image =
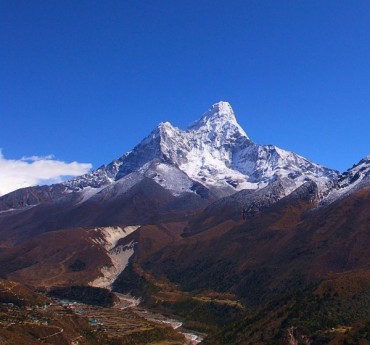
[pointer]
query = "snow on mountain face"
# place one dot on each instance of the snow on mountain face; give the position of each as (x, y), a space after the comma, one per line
(349, 181)
(273, 162)
(219, 119)
(213, 151)
(216, 152)
(356, 174)
(98, 178)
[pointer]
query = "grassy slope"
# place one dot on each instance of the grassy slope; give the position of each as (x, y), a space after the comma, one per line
(290, 267)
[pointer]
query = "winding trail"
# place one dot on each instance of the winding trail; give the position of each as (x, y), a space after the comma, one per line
(60, 330)
(61, 270)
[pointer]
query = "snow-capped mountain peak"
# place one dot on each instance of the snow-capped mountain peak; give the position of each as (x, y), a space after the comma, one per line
(219, 112)
(219, 118)
(213, 152)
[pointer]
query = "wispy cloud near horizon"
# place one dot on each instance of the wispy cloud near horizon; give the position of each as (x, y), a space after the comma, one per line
(36, 170)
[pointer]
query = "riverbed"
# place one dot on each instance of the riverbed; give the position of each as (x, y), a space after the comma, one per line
(127, 301)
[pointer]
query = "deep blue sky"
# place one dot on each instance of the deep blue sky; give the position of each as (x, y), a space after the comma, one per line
(87, 80)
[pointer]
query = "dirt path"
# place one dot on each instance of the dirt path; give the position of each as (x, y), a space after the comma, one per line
(60, 330)
(61, 270)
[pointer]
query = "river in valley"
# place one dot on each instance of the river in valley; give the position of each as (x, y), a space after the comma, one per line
(127, 301)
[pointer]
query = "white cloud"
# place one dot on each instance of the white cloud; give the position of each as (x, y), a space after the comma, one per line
(37, 158)
(36, 170)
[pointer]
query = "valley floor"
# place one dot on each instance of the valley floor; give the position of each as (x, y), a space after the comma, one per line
(28, 318)
(127, 319)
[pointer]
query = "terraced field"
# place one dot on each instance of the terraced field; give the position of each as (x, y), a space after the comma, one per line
(29, 318)
(126, 326)
(126, 323)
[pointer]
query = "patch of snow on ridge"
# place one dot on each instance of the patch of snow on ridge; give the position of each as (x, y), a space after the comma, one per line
(87, 193)
(350, 180)
(171, 178)
(119, 255)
